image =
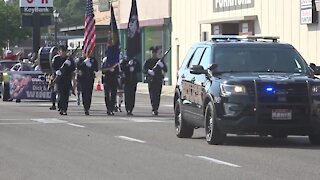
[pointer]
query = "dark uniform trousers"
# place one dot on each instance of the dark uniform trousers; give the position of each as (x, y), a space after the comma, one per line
(155, 88)
(53, 95)
(110, 91)
(64, 88)
(86, 90)
(130, 89)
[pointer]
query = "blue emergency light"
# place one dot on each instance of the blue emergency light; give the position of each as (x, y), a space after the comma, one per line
(269, 89)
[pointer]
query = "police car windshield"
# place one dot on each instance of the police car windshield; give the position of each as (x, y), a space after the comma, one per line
(259, 59)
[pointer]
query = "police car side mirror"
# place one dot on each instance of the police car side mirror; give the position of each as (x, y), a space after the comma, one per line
(198, 69)
(213, 67)
(316, 69)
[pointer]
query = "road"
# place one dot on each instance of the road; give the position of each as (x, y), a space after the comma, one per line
(38, 144)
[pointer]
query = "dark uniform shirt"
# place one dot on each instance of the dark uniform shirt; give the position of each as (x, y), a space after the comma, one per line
(110, 75)
(151, 64)
(129, 75)
(67, 71)
(85, 72)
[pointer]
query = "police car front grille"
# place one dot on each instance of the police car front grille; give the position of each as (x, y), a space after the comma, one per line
(296, 93)
(292, 96)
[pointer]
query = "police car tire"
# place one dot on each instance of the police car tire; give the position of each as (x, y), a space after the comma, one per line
(314, 139)
(182, 128)
(213, 134)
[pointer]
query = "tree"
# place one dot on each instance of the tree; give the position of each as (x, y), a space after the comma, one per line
(11, 19)
(71, 12)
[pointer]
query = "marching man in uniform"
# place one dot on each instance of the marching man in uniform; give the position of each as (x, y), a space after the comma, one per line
(154, 68)
(65, 67)
(130, 68)
(86, 74)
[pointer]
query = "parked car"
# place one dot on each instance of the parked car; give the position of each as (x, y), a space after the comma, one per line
(5, 65)
(246, 85)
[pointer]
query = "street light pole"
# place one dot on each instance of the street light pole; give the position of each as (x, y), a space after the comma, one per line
(7, 25)
(56, 16)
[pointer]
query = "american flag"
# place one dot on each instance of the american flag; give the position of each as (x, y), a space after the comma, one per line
(89, 30)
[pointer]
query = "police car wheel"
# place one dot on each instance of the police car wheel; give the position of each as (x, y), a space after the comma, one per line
(213, 135)
(183, 129)
(314, 139)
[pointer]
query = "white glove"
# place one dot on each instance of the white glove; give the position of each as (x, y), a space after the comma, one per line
(68, 62)
(88, 62)
(112, 69)
(104, 59)
(151, 72)
(58, 73)
(131, 68)
(160, 63)
(130, 62)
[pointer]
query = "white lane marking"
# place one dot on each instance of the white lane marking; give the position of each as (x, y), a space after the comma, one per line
(141, 120)
(48, 105)
(214, 160)
(14, 119)
(130, 139)
(76, 125)
(48, 120)
(22, 123)
(168, 105)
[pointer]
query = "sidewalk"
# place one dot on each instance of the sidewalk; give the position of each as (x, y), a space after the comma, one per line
(166, 90)
(142, 88)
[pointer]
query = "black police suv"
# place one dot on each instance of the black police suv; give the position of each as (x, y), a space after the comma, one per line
(247, 85)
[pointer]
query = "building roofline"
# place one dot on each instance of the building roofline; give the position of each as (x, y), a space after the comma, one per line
(148, 22)
(229, 19)
(77, 28)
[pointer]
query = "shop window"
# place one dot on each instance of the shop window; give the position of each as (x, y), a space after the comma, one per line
(155, 37)
(215, 28)
(246, 28)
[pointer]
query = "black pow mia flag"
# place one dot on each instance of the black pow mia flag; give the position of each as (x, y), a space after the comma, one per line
(133, 38)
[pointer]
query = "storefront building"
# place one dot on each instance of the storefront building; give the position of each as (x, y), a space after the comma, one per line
(154, 21)
(294, 21)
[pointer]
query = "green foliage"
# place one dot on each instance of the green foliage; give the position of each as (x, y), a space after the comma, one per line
(11, 21)
(71, 12)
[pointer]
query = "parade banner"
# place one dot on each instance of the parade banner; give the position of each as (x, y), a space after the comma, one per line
(29, 85)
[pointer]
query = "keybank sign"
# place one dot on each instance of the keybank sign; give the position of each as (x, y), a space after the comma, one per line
(227, 5)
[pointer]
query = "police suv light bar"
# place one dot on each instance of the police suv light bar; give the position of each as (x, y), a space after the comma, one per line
(273, 38)
(227, 37)
(239, 38)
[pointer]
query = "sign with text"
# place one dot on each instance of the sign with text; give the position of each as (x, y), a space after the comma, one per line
(29, 85)
(36, 3)
(308, 13)
(36, 6)
(228, 5)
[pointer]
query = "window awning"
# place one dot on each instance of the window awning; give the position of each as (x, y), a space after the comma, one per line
(229, 19)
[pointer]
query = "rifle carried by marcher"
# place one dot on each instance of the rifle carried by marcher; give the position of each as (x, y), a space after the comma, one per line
(157, 66)
(64, 67)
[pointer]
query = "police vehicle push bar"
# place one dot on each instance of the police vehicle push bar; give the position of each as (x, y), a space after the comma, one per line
(240, 38)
